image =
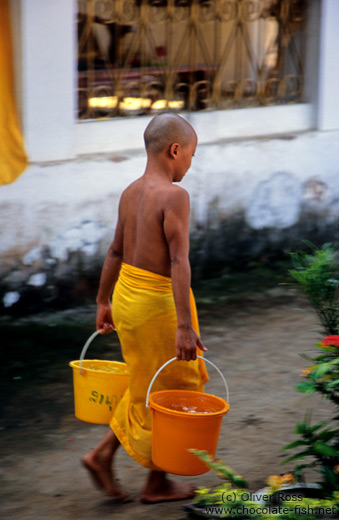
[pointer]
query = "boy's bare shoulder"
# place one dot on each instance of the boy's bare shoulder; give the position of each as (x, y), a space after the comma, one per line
(131, 187)
(166, 192)
(177, 198)
(177, 192)
(130, 193)
(175, 188)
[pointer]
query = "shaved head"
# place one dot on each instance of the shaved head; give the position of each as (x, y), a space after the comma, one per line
(165, 129)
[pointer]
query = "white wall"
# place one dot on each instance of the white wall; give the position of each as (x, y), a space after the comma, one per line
(49, 201)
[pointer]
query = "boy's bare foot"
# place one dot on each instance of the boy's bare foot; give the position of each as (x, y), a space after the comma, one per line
(102, 476)
(160, 489)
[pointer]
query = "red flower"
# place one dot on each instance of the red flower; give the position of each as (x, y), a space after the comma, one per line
(330, 341)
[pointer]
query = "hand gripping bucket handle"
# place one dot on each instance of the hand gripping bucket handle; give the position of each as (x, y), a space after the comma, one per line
(174, 359)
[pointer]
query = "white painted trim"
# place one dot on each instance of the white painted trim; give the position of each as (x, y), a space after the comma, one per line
(117, 135)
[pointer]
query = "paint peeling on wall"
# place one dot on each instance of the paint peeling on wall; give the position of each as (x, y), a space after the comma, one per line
(275, 202)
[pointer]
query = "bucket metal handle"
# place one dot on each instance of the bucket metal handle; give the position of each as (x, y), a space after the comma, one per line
(87, 344)
(174, 359)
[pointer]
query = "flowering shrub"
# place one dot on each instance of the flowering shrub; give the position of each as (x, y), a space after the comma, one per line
(323, 375)
(330, 341)
(317, 277)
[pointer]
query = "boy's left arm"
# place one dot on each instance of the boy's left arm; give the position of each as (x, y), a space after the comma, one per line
(176, 222)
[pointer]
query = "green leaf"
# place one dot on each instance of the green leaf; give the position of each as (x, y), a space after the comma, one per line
(312, 246)
(327, 435)
(329, 350)
(305, 387)
(220, 468)
(317, 426)
(304, 356)
(330, 476)
(294, 444)
(322, 357)
(298, 456)
(333, 384)
(301, 428)
(321, 370)
(325, 449)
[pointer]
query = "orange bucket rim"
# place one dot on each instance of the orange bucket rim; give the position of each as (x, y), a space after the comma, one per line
(156, 406)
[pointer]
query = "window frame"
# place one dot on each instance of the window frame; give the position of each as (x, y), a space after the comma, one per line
(213, 126)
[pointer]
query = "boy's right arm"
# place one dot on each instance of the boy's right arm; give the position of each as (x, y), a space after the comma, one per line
(109, 275)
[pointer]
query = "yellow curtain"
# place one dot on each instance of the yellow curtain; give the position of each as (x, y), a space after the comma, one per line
(13, 159)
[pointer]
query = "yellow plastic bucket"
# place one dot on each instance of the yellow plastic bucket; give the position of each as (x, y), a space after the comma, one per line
(182, 420)
(98, 386)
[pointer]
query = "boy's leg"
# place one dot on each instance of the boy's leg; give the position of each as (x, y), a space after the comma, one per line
(99, 463)
(159, 488)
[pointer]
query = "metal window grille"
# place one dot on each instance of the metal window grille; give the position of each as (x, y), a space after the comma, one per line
(147, 56)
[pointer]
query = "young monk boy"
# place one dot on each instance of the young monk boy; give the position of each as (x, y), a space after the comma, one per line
(147, 267)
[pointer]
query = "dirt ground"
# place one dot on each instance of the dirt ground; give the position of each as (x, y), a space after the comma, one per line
(255, 342)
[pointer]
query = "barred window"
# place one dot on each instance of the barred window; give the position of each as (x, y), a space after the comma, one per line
(147, 56)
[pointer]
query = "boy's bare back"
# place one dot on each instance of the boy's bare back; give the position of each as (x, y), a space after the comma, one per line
(152, 229)
(149, 209)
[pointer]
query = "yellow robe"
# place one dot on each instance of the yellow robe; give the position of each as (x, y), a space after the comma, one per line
(13, 159)
(145, 318)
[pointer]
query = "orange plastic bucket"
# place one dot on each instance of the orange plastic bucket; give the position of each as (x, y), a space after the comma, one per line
(182, 420)
(98, 386)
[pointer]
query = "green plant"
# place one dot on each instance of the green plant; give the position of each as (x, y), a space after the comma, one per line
(319, 450)
(233, 500)
(316, 276)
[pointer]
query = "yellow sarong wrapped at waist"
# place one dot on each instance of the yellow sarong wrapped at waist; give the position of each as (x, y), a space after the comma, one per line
(145, 318)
